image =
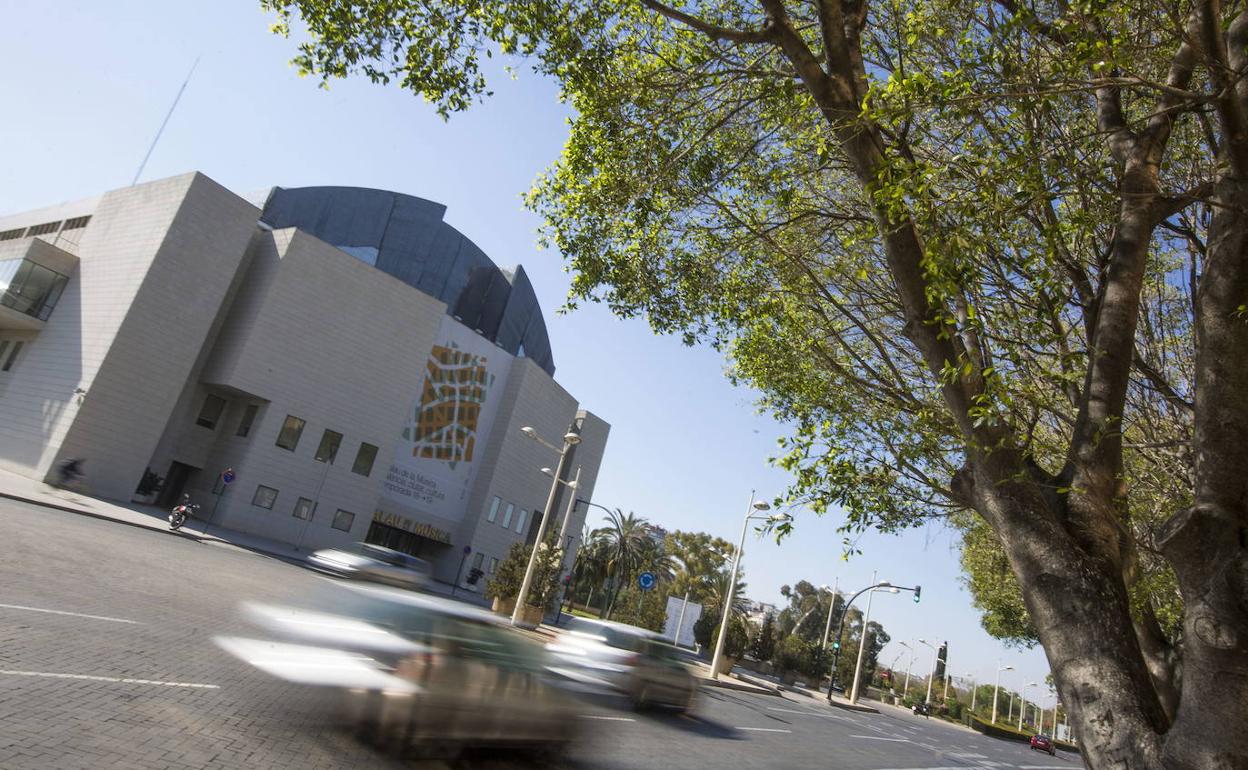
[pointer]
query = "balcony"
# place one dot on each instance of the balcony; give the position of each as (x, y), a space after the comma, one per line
(30, 286)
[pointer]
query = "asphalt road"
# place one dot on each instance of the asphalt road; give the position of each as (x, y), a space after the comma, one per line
(106, 661)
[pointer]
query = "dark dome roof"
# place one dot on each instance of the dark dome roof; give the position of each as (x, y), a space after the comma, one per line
(405, 236)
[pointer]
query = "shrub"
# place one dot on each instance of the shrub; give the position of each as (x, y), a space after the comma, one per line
(738, 640)
(510, 574)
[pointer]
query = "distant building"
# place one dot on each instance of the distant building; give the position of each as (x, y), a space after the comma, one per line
(362, 367)
(757, 612)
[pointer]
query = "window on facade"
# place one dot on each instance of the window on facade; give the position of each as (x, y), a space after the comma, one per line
(9, 235)
(292, 429)
(364, 459)
(493, 565)
(493, 514)
(507, 516)
(478, 559)
(343, 520)
(303, 509)
(249, 417)
(328, 448)
(520, 520)
(43, 229)
(264, 497)
(12, 357)
(210, 412)
(76, 222)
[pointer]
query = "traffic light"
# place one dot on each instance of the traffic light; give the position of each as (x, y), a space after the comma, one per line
(836, 645)
(918, 590)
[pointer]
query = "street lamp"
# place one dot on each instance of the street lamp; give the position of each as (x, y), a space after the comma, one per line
(756, 508)
(971, 676)
(935, 657)
(905, 690)
(840, 626)
(570, 439)
(836, 584)
(1023, 697)
(883, 585)
(997, 687)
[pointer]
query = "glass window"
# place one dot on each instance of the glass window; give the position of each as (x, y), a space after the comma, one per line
(292, 429)
(328, 448)
(304, 509)
(12, 359)
(210, 412)
(343, 520)
(249, 417)
(364, 459)
(493, 514)
(264, 497)
(520, 520)
(493, 565)
(478, 559)
(507, 515)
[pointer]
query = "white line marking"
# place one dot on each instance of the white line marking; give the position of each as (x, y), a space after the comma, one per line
(606, 719)
(63, 612)
(118, 680)
(1043, 767)
(763, 729)
(809, 713)
(881, 738)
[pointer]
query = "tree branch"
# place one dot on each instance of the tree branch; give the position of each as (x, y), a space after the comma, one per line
(713, 31)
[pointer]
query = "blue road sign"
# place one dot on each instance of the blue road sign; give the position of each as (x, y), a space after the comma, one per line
(645, 581)
(228, 476)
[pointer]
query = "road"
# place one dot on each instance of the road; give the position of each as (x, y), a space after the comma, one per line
(106, 661)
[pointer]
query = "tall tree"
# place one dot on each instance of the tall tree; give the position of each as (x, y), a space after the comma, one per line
(976, 253)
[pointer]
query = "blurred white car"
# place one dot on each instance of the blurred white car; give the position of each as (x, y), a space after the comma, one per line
(625, 659)
(375, 564)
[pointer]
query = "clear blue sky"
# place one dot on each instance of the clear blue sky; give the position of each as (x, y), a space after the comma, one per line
(86, 84)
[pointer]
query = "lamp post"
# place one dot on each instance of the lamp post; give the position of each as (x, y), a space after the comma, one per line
(570, 439)
(862, 641)
(756, 507)
(997, 687)
(1023, 698)
(840, 626)
(971, 677)
(931, 676)
(905, 690)
(827, 627)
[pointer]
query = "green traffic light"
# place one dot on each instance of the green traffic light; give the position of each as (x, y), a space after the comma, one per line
(918, 590)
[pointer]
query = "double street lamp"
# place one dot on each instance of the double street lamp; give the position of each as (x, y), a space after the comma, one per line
(862, 643)
(570, 439)
(996, 687)
(935, 660)
(1023, 697)
(752, 513)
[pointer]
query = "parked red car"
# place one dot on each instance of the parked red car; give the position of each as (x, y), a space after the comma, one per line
(1044, 743)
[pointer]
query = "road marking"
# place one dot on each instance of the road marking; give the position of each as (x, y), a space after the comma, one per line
(809, 713)
(117, 680)
(606, 718)
(882, 738)
(1043, 767)
(763, 729)
(63, 612)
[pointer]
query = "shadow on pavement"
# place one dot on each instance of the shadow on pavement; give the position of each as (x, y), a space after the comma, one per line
(692, 723)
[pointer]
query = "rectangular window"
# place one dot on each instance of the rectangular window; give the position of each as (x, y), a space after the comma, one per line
(507, 515)
(12, 359)
(493, 565)
(292, 429)
(328, 448)
(478, 559)
(264, 497)
(210, 412)
(493, 514)
(76, 222)
(43, 229)
(303, 509)
(343, 520)
(520, 520)
(364, 459)
(9, 235)
(244, 425)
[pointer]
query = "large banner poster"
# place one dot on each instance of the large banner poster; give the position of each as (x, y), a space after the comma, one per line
(443, 438)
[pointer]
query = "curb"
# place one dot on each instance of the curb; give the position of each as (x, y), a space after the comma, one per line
(740, 687)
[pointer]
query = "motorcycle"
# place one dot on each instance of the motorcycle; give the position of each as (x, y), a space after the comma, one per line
(179, 515)
(921, 709)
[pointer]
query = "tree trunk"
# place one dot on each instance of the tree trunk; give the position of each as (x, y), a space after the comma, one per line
(1079, 605)
(1208, 544)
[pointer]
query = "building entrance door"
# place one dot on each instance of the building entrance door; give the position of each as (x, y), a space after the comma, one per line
(176, 479)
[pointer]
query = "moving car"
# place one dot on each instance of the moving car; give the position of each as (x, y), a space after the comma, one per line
(1044, 743)
(413, 671)
(625, 659)
(374, 563)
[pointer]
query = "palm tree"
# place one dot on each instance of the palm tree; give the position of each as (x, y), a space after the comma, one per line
(624, 539)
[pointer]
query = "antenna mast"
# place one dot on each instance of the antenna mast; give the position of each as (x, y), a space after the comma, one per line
(164, 123)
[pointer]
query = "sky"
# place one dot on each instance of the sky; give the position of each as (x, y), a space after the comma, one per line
(87, 84)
